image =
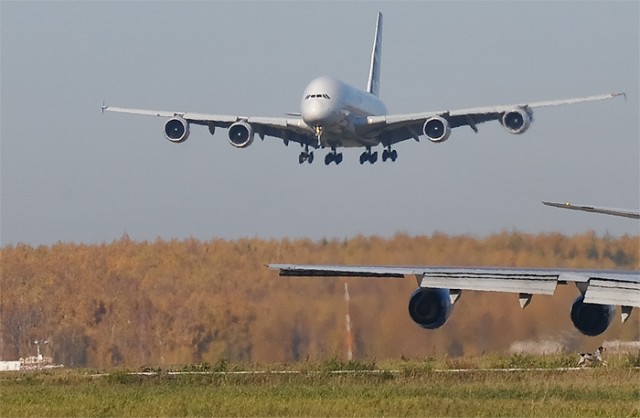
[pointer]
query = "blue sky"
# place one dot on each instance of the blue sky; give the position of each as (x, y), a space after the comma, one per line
(71, 174)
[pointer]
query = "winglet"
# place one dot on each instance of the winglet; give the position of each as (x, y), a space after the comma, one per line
(373, 85)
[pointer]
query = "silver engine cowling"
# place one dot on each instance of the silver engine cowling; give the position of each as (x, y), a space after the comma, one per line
(517, 121)
(436, 129)
(241, 134)
(430, 308)
(176, 130)
(589, 318)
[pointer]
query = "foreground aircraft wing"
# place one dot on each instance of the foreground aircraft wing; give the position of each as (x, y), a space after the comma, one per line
(288, 129)
(437, 126)
(600, 286)
(440, 287)
(607, 211)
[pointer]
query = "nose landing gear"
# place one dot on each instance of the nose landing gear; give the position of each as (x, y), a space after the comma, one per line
(318, 130)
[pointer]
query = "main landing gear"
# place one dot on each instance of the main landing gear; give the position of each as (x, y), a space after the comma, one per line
(333, 157)
(389, 154)
(372, 157)
(306, 155)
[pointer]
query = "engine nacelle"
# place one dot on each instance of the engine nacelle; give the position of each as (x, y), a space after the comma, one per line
(430, 308)
(589, 318)
(241, 134)
(176, 130)
(517, 121)
(436, 129)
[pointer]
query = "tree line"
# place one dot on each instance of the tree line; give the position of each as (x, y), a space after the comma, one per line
(172, 302)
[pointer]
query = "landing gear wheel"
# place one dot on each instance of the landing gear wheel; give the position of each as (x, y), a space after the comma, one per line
(305, 157)
(328, 159)
(389, 154)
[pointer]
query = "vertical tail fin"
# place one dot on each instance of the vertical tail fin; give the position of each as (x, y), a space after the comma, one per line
(373, 85)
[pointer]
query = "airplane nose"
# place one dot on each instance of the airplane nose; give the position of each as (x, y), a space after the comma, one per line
(317, 113)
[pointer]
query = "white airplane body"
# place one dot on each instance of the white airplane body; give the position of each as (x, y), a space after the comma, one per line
(334, 114)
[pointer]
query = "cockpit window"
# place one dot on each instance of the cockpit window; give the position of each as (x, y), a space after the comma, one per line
(317, 96)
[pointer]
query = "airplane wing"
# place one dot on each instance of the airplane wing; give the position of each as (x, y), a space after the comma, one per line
(607, 211)
(515, 118)
(600, 286)
(288, 129)
(431, 303)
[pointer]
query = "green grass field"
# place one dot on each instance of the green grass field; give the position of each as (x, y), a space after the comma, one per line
(428, 388)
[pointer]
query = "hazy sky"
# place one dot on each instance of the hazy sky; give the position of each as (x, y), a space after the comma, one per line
(71, 174)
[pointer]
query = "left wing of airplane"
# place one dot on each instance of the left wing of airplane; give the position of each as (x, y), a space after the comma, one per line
(440, 287)
(436, 126)
(607, 211)
(241, 128)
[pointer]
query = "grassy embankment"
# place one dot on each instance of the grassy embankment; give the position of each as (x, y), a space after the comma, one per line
(398, 389)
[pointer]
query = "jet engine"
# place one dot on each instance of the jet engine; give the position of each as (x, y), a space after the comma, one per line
(437, 129)
(241, 134)
(589, 318)
(430, 308)
(176, 130)
(517, 121)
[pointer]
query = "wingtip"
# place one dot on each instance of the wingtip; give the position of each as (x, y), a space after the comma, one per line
(557, 205)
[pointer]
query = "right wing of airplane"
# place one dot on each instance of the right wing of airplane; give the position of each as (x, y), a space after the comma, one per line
(607, 211)
(436, 126)
(440, 287)
(241, 128)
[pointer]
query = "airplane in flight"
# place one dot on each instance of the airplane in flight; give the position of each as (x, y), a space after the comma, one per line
(626, 213)
(439, 288)
(336, 115)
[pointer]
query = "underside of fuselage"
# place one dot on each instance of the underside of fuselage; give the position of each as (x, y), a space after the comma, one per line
(344, 136)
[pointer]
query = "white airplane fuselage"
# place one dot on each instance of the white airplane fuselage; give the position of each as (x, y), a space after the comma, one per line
(340, 111)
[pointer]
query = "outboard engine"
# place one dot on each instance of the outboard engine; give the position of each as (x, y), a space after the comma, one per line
(589, 318)
(437, 129)
(517, 121)
(430, 308)
(176, 130)
(241, 134)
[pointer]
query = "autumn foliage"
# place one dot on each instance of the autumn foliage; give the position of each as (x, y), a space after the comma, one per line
(174, 302)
